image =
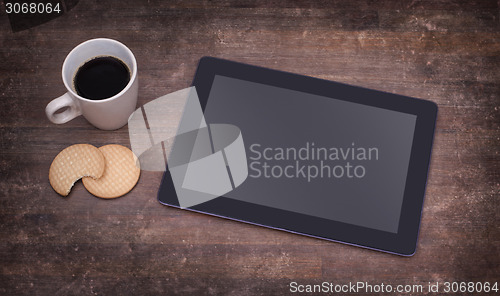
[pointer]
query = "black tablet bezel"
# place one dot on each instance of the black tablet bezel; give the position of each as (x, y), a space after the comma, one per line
(404, 241)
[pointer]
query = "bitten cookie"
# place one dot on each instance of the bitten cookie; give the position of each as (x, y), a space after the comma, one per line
(73, 163)
(120, 176)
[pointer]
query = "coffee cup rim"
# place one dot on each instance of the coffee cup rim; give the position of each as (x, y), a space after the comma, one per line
(124, 90)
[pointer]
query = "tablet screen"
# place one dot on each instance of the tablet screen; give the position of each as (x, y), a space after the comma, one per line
(316, 155)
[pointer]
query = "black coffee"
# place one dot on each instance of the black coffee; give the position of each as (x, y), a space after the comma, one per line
(101, 78)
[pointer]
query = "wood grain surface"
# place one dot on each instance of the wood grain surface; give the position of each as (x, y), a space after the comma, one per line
(444, 51)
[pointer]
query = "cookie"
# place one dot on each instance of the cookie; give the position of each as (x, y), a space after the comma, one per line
(73, 163)
(120, 176)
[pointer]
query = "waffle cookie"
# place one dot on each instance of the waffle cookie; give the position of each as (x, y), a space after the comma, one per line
(120, 176)
(73, 163)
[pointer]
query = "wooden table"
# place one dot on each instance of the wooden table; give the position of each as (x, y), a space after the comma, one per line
(444, 51)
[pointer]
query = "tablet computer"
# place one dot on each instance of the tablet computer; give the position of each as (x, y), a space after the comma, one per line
(324, 159)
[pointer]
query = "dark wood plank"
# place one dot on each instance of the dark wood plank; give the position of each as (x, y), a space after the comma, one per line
(444, 51)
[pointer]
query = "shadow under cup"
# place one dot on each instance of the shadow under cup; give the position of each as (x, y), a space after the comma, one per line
(110, 113)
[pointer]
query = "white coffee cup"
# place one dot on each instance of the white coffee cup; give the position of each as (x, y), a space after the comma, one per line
(107, 114)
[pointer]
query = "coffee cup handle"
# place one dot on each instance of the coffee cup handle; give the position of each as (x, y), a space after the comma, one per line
(65, 101)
